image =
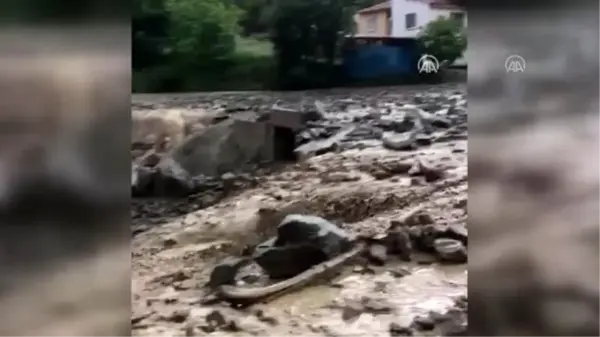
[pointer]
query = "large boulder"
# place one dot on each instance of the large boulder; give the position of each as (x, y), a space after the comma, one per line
(302, 241)
(228, 146)
(224, 147)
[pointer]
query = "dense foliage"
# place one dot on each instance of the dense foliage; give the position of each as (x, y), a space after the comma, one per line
(444, 38)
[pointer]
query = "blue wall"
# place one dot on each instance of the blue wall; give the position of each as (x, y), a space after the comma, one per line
(370, 58)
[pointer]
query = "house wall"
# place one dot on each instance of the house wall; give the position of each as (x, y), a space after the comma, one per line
(425, 14)
(365, 22)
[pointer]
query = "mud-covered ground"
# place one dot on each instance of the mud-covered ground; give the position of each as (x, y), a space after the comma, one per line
(360, 188)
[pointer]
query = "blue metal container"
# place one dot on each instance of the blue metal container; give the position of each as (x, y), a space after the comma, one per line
(373, 57)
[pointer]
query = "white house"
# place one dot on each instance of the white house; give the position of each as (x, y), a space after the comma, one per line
(406, 18)
(410, 16)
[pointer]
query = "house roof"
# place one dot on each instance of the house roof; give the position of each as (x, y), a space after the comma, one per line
(436, 4)
(442, 4)
(375, 8)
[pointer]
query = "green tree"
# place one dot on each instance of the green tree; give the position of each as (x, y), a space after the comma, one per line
(255, 17)
(445, 39)
(307, 36)
(150, 35)
(202, 32)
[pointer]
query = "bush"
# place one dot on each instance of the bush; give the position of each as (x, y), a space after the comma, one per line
(445, 39)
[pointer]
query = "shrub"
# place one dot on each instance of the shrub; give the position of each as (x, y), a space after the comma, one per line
(445, 39)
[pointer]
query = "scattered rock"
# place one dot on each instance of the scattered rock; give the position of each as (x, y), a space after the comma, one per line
(430, 173)
(458, 232)
(377, 254)
(178, 315)
(450, 250)
(424, 323)
(400, 272)
(322, 146)
(215, 320)
(396, 330)
(226, 271)
(399, 142)
(263, 317)
(376, 306)
(398, 242)
(338, 177)
(351, 311)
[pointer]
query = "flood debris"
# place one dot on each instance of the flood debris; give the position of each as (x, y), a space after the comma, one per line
(341, 212)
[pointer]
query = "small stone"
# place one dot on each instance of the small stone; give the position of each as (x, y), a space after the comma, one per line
(351, 311)
(423, 140)
(377, 254)
(450, 250)
(216, 319)
(396, 329)
(263, 317)
(178, 316)
(438, 317)
(424, 323)
(458, 232)
(400, 272)
(226, 271)
(398, 242)
(376, 306)
(169, 242)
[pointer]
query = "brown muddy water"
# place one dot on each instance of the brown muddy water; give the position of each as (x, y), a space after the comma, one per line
(424, 289)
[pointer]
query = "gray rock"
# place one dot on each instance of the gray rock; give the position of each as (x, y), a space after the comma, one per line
(458, 232)
(377, 254)
(224, 147)
(398, 242)
(322, 146)
(396, 142)
(450, 250)
(302, 241)
(225, 272)
(141, 180)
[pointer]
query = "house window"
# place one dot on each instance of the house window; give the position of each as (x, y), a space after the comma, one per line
(371, 24)
(459, 17)
(411, 20)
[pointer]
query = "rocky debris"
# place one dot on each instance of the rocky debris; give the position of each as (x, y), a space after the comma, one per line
(430, 173)
(322, 146)
(405, 142)
(216, 321)
(397, 330)
(407, 238)
(353, 308)
(226, 271)
(302, 241)
(224, 147)
(449, 250)
(398, 242)
(206, 160)
(378, 254)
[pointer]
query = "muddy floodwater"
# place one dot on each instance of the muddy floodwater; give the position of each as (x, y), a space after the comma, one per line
(423, 290)
(359, 186)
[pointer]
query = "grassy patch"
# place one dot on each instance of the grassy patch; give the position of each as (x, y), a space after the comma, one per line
(258, 47)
